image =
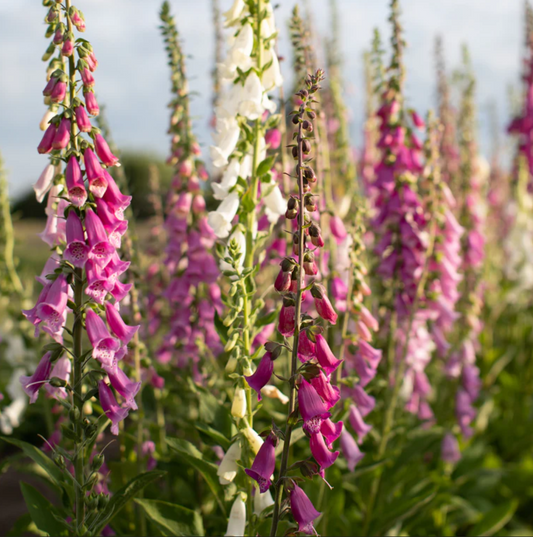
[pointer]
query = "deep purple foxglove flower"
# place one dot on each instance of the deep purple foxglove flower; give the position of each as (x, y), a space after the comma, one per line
(82, 120)
(45, 146)
(110, 406)
(359, 426)
(32, 384)
(323, 456)
(101, 249)
(449, 450)
(76, 252)
(329, 393)
(331, 431)
(104, 345)
(75, 184)
(262, 374)
(62, 136)
(264, 464)
(324, 355)
(90, 102)
(350, 450)
(52, 310)
(118, 326)
(95, 173)
(303, 510)
(103, 151)
(126, 387)
(313, 410)
(322, 304)
(286, 318)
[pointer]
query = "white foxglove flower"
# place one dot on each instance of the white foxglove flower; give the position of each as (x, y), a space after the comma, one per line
(239, 53)
(220, 220)
(229, 180)
(234, 12)
(48, 115)
(44, 183)
(262, 501)
(11, 415)
(228, 467)
(272, 392)
(225, 141)
(272, 76)
(239, 407)
(237, 518)
(253, 438)
(275, 205)
(251, 97)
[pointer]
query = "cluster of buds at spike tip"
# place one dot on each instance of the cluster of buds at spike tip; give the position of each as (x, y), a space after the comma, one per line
(85, 225)
(188, 275)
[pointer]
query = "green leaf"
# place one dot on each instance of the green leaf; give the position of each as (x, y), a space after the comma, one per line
(191, 455)
(217, 436)
(495, 519)
(24, 525)
(42, 511)
(172, 519)
(222, 331)
(269, 318)
(124, 495)
(55, 474)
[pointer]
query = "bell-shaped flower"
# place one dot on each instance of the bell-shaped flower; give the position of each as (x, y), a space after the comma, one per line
(226, 138)
(253, 438)
(322, 304)
(114, 198)
(237, 518)
(323, 456)
(264, 464)
(75, 184)
(303, 510)
(44, 183)
(262, 501)
(272, 392)
(82, 120)
(365, 403)
(251, 98)
(90, 103)
(118, 326)
(115, 227)
(95, 173)
(331, 431)
(104, 345)
(313, 410)
(359, 426)
(275, 205)
(229, 180)
(262, 374)
(234, 12)
(126, 387)
(306, 348)
(103, 151)
(449, 450)
(45, 146)
(239, 406)
(325, 357)
(336, 225)
(350, 450)
(221, 219)
(98, 284)
(53, 309)
(228, 467)
(61, 370)
(76, 252)
(101, 249)
(329, 393)
(272, 77)
(111, 408)
(33, 383)
(62, 136)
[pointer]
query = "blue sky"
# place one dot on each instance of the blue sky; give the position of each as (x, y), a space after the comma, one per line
(132, 78)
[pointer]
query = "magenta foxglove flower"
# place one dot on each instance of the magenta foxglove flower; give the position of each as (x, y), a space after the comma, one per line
(104, 345)
(90, 103)
(114, 198)
(449, 450)
(286, 319)
(47, 91)
(323, 456)
(313, 410)
(78, 21)
(101, 250)
(95, 173)
(68, 47)
(45, 145)
(359, 426)
(331, 431)
(82, 120)
(262, 374)
(273, 138)
(62, 136)
(75, 184)
(98, 284)
(61, 370)
(118, 326)
(306, 348)
(329, 393)
(59, 92)
(111, 408)
(303, 510)
(324, 355)
(350, 450)
(76, 252)
(337, 228)
(264, 464)
(87, 77)
(52, 310)
(103, 151)
(322, 304)
(32, 384)
(339, 292)
(126, 387)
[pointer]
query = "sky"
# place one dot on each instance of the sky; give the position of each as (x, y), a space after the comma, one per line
(132, 78)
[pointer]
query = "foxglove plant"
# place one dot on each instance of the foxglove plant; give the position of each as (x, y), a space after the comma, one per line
(85, 227)
(191, 270)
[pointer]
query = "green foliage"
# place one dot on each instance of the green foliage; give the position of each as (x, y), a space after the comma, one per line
(172, 519)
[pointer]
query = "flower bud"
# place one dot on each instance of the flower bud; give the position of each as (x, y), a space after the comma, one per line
(295, 153)
(68, 45)
(90, 103)
(238, 407)
(306, 146)
(316, 236)
(309, 174)
(59, 92)
(292, 208)
(309, 264)
(310, 203)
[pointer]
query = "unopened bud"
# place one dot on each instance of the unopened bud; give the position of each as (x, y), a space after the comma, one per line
(310, 204)
(306, 146)
(293, 205)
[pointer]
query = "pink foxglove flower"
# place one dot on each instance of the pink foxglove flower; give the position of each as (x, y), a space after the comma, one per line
(82, 120)
(303, 510)
(350, 450)
(450, 449)
(329, 393)
(90, 103)
(101, 249)
(337, 229)
(103, 151)
(359, 426)
(46, 143)
(325, 357)
(121, 330)
(62, 135)
(104, 345)
(322, 304)
(75, 184)
(32, 384)
(111, 408)
(286, 318)
(323, 456)
(44, 183)
(123, 385)
(53, 309)
(313, 410)
(77, 251)
(95, 174)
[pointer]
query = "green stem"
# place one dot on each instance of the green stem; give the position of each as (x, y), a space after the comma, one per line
(294, 357)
